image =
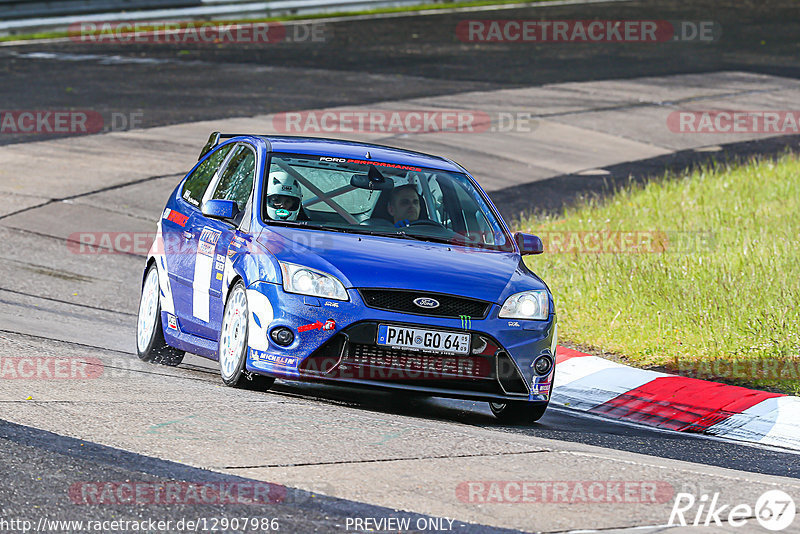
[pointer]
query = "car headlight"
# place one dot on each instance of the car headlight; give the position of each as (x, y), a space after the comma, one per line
(526, 305)
(307, 281)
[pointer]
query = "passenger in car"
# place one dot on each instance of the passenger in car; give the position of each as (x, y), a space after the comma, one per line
(283, 197)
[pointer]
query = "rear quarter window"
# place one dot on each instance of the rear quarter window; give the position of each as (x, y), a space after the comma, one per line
(195, 186)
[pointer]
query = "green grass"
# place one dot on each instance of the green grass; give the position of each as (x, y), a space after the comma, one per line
(725, 308)
(445, 4)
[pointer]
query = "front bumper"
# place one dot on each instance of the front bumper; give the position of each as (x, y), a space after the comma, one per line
(336, 342)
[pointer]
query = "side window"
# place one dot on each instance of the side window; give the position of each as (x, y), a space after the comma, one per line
(195, 186)
(236, 181)
(445, 211)
(438, 200)
(475, 224)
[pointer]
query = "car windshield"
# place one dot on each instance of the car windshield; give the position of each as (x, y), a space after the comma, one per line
(342, 194)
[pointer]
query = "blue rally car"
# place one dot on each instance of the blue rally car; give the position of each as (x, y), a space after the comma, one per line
(349, 263)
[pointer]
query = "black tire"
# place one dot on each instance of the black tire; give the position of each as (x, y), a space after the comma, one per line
(235, 328)
(156, 350)
(518, 412)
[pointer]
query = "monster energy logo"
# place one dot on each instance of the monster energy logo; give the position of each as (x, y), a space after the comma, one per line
(466, 322)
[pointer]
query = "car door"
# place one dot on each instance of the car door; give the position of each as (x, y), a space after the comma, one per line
(213, 238)
(181, 236)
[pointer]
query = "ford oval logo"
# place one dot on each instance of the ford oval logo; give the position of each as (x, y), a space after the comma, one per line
(428, 303)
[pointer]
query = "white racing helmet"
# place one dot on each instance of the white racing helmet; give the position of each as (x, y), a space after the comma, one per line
(283, 196)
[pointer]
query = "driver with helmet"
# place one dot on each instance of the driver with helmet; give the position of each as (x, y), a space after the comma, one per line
(283, 197)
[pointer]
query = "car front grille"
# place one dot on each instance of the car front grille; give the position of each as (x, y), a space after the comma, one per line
(353, 355)
(399, 300)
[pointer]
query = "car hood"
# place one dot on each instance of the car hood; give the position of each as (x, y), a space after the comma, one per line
(362, 261)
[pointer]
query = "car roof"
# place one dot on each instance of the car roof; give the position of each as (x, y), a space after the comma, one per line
(355, 150)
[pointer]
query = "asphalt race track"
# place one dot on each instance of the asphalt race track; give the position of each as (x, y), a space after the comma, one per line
(330, 455)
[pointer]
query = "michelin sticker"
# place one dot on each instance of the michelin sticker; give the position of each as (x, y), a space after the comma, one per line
(265, 357)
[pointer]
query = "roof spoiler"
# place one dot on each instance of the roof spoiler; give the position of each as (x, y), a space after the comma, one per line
(213, 141)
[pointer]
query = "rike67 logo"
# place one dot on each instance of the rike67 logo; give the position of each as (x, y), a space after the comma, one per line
(774, 510)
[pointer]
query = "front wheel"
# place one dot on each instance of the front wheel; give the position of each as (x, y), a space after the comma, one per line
(150, 343)
(517, 412)
(233, 345)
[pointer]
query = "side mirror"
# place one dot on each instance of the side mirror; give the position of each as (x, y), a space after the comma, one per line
(528, 244)
(220, 209)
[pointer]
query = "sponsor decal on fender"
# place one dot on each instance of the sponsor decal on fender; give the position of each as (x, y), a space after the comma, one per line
(330, 324)
(208, 242)
(540, 389)
(283, 361)
(176, 217)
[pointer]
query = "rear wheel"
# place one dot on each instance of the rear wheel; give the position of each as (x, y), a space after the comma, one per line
(232, 347)
(517, 412)
(150, 343)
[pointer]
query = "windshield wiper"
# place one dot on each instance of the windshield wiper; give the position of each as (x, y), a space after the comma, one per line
(399, 233)
(292, 224)
(331, 228)
(352, 230)
(310, 226)
(457, 240)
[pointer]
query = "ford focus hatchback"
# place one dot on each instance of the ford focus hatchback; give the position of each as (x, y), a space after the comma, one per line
(349, 263)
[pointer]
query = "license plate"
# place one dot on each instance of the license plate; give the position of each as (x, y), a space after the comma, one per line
(425, 340)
